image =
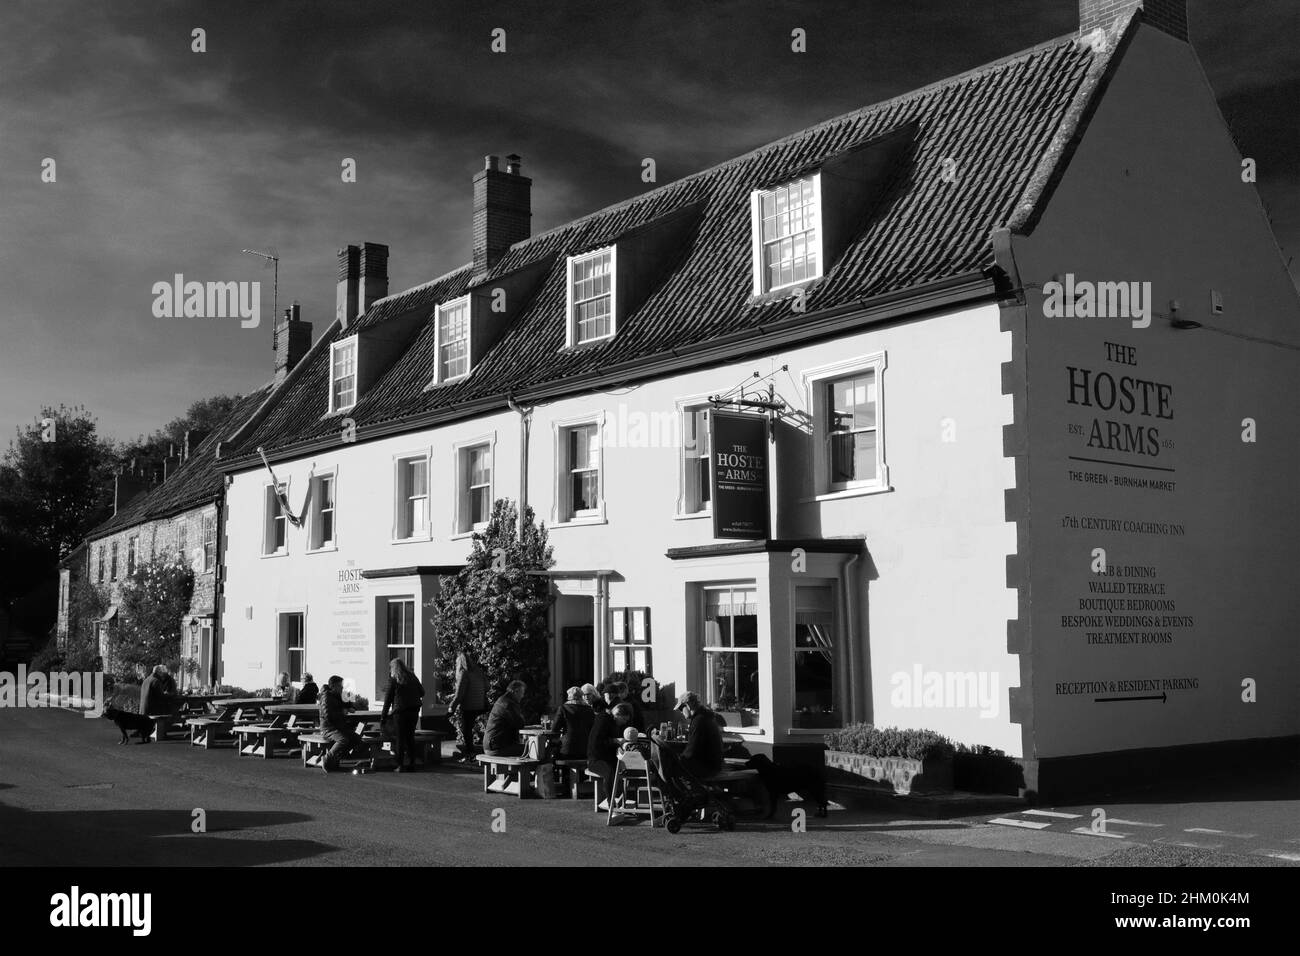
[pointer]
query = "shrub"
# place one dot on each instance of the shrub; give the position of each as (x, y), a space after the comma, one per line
(497, 607)
(981, 769)
(635, 684)
(872, 741)
(124, 697)
(155, 599)
(232, 690)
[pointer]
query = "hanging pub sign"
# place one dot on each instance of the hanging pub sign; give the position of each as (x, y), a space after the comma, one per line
(738, 475)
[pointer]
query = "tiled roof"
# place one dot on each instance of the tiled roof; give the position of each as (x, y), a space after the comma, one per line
(1001, 124)
(195, 483)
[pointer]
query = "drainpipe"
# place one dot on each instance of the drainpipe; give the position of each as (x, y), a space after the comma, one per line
(846, 575)
(598, 628)
(525, 420)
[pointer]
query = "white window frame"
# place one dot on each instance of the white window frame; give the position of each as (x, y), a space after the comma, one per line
(132, 554)
(464, 300)
(387, 648)
(685, 406)
(282, 647)
(461, 526)
(704, 648)
(815, 381)
(268, 520)
(103, 563)
(112, 561)
(400, 461)
(208, 565)
(315, 512)
(353, 343)
(756, 234)
(571, 323)
(183, 540)
(560, 429)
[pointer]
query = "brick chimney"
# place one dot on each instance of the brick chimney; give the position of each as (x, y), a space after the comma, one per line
(127, 486)
(363, 279)
(1167, 15)
(502, 210)
(292, 340)
(194, 436)
(171, 462)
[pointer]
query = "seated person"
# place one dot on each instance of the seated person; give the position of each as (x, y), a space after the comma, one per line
(573, 722)
(501, 737)
(283, 689)
(603, 744)
(703, 753)
(335, 725)
(308, 693)
(632, 697)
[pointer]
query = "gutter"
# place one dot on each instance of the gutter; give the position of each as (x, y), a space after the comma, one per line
(915, 302)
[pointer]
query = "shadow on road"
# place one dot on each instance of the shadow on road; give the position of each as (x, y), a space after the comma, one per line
(149, 838)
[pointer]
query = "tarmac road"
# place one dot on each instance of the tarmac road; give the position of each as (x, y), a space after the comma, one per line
(69, 795)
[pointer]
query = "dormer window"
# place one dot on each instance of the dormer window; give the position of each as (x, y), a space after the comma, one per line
(452, 335)
(787, 234)
(592, 292)
(343, 374)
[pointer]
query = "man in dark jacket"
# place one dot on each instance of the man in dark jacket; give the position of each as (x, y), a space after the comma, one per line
(309, 693)
(703, 753)
(154, 698)
(573, 722)
(602, 745)
(335, 725)
(469, 701)
(501, 738)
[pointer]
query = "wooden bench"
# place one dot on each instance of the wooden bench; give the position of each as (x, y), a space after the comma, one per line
(207, 732)
(742, 783)
(571, 774)
(165, 724)
(518, 771)
(428, 743)
(265, 740)
(597, 789)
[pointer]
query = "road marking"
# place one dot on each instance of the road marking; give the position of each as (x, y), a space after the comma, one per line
(1053, 813)
(89, 786)
(1026, 824)
(1239, 836)
(1101, 833)
(1280, 854)
(1132, 823)
(1190, 845)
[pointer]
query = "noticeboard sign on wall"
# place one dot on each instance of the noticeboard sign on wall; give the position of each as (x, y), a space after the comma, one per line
(738, 475)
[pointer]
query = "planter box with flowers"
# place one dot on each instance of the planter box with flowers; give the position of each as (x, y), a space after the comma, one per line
(905, 761)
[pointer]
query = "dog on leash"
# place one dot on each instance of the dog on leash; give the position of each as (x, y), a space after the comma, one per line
(129, 723)
(779, 781)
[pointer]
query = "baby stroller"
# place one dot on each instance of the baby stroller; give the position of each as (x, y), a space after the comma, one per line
(686, 796)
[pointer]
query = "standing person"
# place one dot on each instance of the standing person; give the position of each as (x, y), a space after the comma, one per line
(501, 738)
(573, 722)
(404, 697)
(602, 745)
(703, 753)
(334, 724)
(154, 699)
(308, 693)
(469, 701)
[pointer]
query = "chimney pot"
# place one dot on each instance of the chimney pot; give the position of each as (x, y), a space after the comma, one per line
(490, 162)
(513, 164)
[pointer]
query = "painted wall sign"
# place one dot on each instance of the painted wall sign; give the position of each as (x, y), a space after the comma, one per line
(738, 476)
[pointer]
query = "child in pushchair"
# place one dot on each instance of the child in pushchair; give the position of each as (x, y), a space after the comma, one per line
(686, 796)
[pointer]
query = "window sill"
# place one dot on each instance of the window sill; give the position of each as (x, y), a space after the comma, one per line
(414, 539)
(745, 731)
(462, 535)
(683, 516)
(276, 554)
(848, 493)
(325, 550)
(580, 522)
(809, 731)
(787, 291)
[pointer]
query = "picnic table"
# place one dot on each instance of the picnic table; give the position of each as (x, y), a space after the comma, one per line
(533, 739)
(366, 723)
(217, 727)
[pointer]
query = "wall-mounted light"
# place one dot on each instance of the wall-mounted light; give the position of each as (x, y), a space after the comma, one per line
(1176, 320)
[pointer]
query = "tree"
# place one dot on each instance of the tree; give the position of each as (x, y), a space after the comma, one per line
(496, 609)
(155, 599)
(55, 486)
(205, 414)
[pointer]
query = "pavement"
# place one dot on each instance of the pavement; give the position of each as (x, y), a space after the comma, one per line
(69, 795)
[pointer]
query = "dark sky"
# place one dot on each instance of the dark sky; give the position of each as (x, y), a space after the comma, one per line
(171, 161)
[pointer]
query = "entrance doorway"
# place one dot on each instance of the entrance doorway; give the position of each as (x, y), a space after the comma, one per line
(575, 656)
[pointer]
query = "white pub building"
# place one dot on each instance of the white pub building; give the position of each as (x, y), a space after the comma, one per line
(809, 439)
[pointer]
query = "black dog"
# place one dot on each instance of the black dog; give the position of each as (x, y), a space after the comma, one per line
(808, 782)
(128, 722)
